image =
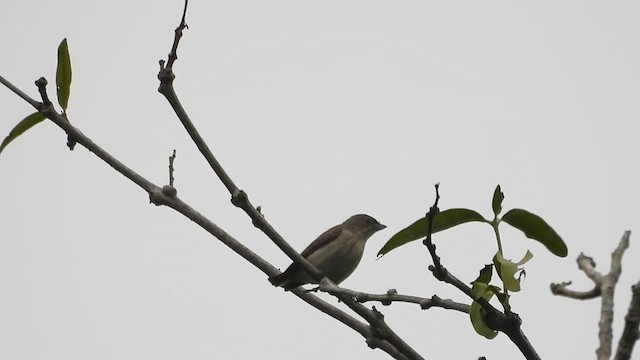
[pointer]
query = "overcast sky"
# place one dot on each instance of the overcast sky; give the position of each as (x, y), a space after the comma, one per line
(319, 110)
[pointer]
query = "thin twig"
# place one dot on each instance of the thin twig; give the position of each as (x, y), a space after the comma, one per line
(439, 271)
(172, 158)
(240, 199)
(20, 93)
(173, 55)
(166, 197)
(42, 89)
(392, 296)
(561, 289)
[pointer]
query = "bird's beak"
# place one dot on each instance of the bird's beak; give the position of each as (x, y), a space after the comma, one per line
(380, 227)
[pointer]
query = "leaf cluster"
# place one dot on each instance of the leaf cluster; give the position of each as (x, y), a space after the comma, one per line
(509, 272)
(63, 87)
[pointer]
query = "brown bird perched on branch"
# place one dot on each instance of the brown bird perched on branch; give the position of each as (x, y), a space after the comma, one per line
(337, 252)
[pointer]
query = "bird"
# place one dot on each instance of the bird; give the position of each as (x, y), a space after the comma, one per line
(336, 253)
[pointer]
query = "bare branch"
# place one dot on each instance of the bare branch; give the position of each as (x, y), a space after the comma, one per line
(379, 328)
(172, 158)
(167, 196)
(604, 287)
(561, 290)
(605, 333)
(588, 266)
(240, 199)
(392, 296)
(631, 331)
(616, 256)
(173, 55)
(20, 93)
(438, 271)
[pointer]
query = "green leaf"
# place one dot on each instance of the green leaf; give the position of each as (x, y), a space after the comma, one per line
(482, 289)
(496, 203)
(537, 229)
(444, 220)
(480, 284)
(22, 126)
(63, 75)
(507, 270)
(476, 314)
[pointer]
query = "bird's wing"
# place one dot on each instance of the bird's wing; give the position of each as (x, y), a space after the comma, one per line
(323, 239)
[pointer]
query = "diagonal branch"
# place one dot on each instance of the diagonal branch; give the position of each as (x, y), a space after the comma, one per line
(167, 196)
(19, 92)
(239, 198)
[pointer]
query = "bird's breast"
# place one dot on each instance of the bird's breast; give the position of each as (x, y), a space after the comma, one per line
(340, 257)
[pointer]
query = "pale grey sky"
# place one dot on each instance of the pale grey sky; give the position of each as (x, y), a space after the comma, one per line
(318, 110)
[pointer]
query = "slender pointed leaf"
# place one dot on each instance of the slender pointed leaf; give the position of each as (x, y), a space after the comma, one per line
(22, 126)
(444, 220)
(534, 227)
(63, 75)
(496, 203)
